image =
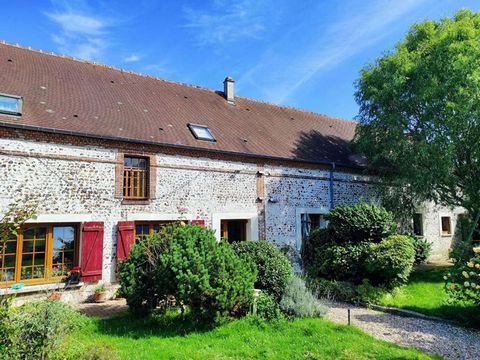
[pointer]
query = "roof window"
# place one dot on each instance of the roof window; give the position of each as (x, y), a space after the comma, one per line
(10, 104)
(201, 132)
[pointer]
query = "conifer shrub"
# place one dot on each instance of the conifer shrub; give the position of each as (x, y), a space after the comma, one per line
(185, 262)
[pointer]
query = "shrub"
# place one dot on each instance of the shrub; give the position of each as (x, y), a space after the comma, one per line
(423, 249)
(267, 307)
(390, 262)
(209, 277)
(298, 301)
(333, 290)
(144, 279)
(462, 283)
(342, 262)
(311, 244)
(5, 325)
(186, 262)
(273, 267)
(39, 328)
(360, 223)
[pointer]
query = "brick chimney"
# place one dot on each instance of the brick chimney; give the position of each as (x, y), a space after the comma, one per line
(229, 89)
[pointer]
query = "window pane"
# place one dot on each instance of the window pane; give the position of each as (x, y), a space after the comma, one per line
(39, 259)
(201, 132)
(63, 255)
(40, 246)
(10, 247)
(27, 260)
(26, 273)
(28, 246)
(9, 104)
(9, 261)
(38, 272)
(28, 234)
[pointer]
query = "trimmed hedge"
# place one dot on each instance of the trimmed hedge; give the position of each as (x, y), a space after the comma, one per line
(359, 244)
(274, 269)
(390, 262)
(359, 223)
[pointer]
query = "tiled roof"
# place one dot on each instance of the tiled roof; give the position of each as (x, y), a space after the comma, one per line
(63, 94)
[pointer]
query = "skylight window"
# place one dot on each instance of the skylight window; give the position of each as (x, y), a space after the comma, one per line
(10, 104)
(201, 132)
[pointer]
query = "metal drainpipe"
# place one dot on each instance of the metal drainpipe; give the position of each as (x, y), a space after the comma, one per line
(332, 202)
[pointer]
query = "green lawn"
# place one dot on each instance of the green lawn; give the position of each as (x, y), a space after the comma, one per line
(425, 294)
(171, 338)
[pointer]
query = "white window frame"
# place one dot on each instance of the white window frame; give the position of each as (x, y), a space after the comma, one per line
(20, 105)
(252, 223)
(298, 227)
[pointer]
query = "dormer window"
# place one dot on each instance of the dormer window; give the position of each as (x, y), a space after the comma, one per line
(10, 104)
(201, 132)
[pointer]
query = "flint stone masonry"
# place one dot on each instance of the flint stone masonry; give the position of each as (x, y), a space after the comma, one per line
(73, 180)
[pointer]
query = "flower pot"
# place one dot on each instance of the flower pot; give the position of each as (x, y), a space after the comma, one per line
(100, 297)
(55, 296)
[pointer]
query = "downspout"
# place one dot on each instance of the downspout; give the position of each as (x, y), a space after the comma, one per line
(332, 201)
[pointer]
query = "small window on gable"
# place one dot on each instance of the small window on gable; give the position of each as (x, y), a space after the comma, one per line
(201, 132)
(10, 104)
(418, 224)
(446, 223)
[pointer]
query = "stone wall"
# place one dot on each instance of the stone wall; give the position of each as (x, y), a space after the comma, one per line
(76, 183)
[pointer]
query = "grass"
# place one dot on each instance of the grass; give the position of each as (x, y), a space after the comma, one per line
(170, 337)
(425, 294)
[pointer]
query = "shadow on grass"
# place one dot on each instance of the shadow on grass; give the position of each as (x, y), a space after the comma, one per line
(159, 325)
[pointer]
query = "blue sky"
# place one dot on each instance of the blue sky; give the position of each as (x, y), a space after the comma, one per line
(305, 54)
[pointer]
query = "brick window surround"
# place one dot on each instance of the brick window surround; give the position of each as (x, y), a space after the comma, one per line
(152, 172)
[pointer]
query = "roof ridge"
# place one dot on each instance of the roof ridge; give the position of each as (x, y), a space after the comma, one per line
(68, 57)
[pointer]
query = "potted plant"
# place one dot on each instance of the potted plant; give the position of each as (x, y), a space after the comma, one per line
(73, 275)
(100, 293)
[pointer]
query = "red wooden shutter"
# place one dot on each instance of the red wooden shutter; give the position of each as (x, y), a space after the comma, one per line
(125, 239)
(92, 251)
(198, 222)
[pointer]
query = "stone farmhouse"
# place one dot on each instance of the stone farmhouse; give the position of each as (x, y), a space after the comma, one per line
(111, 155)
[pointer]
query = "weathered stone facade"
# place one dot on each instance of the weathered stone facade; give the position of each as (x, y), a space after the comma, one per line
(77, 183)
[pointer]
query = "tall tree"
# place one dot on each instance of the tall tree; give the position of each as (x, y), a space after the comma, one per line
(419, 119)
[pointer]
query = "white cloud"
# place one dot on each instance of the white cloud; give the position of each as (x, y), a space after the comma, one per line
(81, 34)
(131, 58)
(282, 75)
(226, 22)
(78, 24)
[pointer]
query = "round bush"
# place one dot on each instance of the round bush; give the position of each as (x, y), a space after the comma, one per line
(390, 262)
(273, 268)
(344, 262)
(186, 262)
(359, 223)
(267, 307)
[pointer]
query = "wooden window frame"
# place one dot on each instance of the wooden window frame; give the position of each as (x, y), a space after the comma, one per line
(150, 224)
(49, 242)
(136, 189)
(119, 178)
(243, 230)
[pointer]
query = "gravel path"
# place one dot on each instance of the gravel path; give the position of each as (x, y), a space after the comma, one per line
(450, 342)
